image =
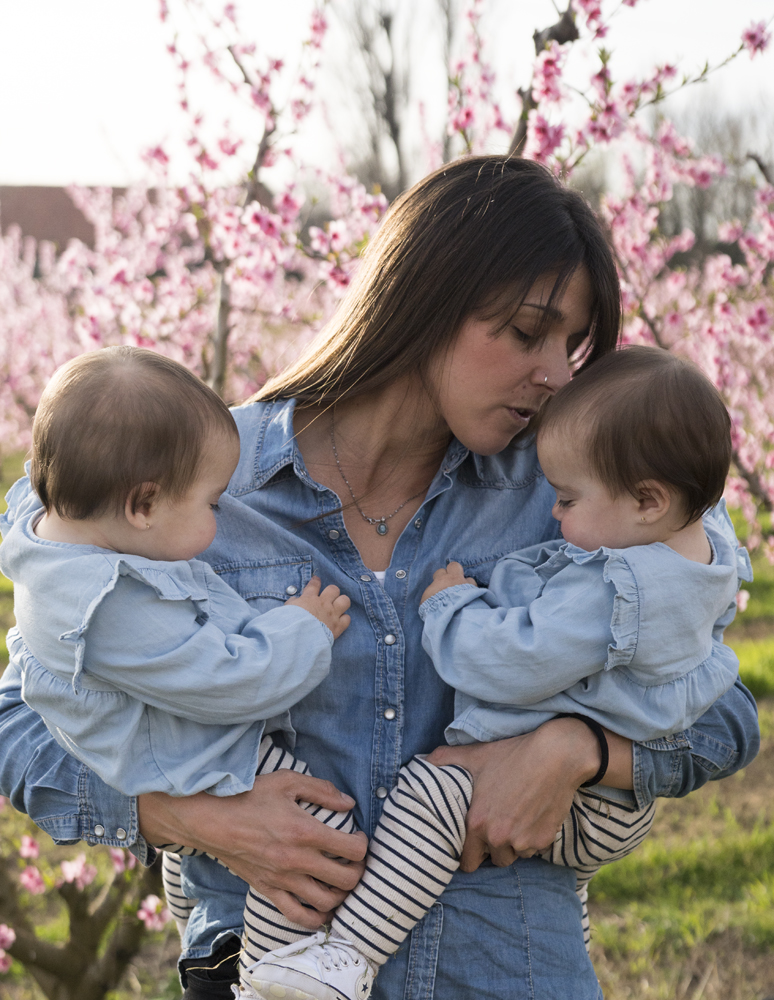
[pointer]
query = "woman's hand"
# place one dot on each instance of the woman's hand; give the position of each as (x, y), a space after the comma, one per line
(523, 787)
(268, 840)
(447, 576)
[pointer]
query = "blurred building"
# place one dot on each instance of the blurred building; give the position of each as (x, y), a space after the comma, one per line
(46, 213)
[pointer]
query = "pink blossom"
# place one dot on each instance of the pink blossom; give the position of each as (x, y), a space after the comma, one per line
(78, 872)
(32, 881)
(7, 936)
(542, 138)
(547, 74)
(229, 146)
(122, 860)
(756, 38)
(153, 913)
(287, 206)
(157, 153)
(742, 598)
(5, 961)
(318, 27)
(462, 119)
(29, 847)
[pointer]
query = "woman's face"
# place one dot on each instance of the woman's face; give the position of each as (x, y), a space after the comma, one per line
(492, 381)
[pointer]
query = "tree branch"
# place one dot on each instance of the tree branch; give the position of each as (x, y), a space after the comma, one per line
(764, 168)
(564, 30)
(754, 484)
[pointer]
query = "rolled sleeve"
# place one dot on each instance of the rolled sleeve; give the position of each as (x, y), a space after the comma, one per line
(723, 741)
(59, 794)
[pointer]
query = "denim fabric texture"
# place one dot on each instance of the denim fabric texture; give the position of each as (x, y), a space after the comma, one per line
(520, 924)
(157, 675)
(623, 636)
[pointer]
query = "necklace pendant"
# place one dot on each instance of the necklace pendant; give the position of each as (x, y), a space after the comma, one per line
(381, 528)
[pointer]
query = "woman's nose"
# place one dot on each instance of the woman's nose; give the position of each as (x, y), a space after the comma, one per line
(552, 369)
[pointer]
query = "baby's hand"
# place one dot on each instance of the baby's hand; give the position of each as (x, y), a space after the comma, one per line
(449, 576)
(329, 607)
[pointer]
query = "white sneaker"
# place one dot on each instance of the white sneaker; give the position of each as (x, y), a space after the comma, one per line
(244, 992)
(316, 968)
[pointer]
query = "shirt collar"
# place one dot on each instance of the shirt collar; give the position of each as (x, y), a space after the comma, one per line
(275, 447)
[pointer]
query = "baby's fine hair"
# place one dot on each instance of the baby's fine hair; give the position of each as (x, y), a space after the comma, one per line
(643, 413)
(113, 419)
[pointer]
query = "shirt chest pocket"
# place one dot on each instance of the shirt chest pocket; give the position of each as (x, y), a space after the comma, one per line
(265, 583)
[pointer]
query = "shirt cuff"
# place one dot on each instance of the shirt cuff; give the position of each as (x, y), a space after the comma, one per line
(104, 816)
(444, 598)
(674, 765)
(111, 818)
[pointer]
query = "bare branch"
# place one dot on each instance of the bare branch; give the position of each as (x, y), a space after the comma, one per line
(764, 168)
(217, 375)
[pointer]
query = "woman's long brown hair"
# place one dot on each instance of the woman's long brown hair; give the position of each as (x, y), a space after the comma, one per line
(478, 232)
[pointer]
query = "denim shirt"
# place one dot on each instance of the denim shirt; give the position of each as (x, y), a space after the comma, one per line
(623, 636)
(158, 675)
(383, 701)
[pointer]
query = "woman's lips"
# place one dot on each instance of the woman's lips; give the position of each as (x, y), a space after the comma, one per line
(521, 415)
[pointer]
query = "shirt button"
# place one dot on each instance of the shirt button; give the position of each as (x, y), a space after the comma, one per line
(389, 714)
(400, 574)
(121, 833)
(333, 534)
(389, 639)
(418, 522)
(381, 792)
(365, 578)
(99, 830)
(291, 590)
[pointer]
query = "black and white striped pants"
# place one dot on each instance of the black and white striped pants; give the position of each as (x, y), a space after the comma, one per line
(412, 856)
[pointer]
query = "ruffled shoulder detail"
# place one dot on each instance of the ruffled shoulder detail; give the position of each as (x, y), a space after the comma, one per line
(174, 581)
(21, 500)
(625, 623)
(614, 568)
(718, 518)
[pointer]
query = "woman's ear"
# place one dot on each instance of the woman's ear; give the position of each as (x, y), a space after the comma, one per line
(654, 501)
(140, 505)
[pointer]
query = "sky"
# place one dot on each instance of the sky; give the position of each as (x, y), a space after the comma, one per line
(85, 85)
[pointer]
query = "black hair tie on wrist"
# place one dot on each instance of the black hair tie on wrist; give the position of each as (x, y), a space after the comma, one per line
(604, 750)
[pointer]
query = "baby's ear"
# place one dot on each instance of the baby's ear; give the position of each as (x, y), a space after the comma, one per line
(653, 500)
(140, 504)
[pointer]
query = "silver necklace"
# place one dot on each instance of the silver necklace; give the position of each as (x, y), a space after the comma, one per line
(380, 523)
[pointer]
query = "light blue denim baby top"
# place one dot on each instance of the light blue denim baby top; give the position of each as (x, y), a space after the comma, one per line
(157, 675)
(621, 635)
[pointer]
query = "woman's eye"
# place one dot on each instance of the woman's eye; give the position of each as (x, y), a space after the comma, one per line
(521, 336)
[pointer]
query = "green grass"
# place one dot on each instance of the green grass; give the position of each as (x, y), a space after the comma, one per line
(756, 664)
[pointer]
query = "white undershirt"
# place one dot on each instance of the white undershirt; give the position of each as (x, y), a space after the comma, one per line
(379, 574)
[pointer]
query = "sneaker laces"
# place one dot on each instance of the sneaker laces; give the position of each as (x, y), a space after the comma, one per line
(338, 954)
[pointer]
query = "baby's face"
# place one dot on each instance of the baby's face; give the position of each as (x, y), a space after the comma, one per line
(184, 527)
(589, 515)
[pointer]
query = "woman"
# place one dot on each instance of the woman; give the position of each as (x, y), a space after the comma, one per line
(394, 444)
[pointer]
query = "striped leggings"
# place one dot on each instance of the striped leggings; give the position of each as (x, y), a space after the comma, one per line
(412, 856)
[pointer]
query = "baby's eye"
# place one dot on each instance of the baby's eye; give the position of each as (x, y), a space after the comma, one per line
(563, 503)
